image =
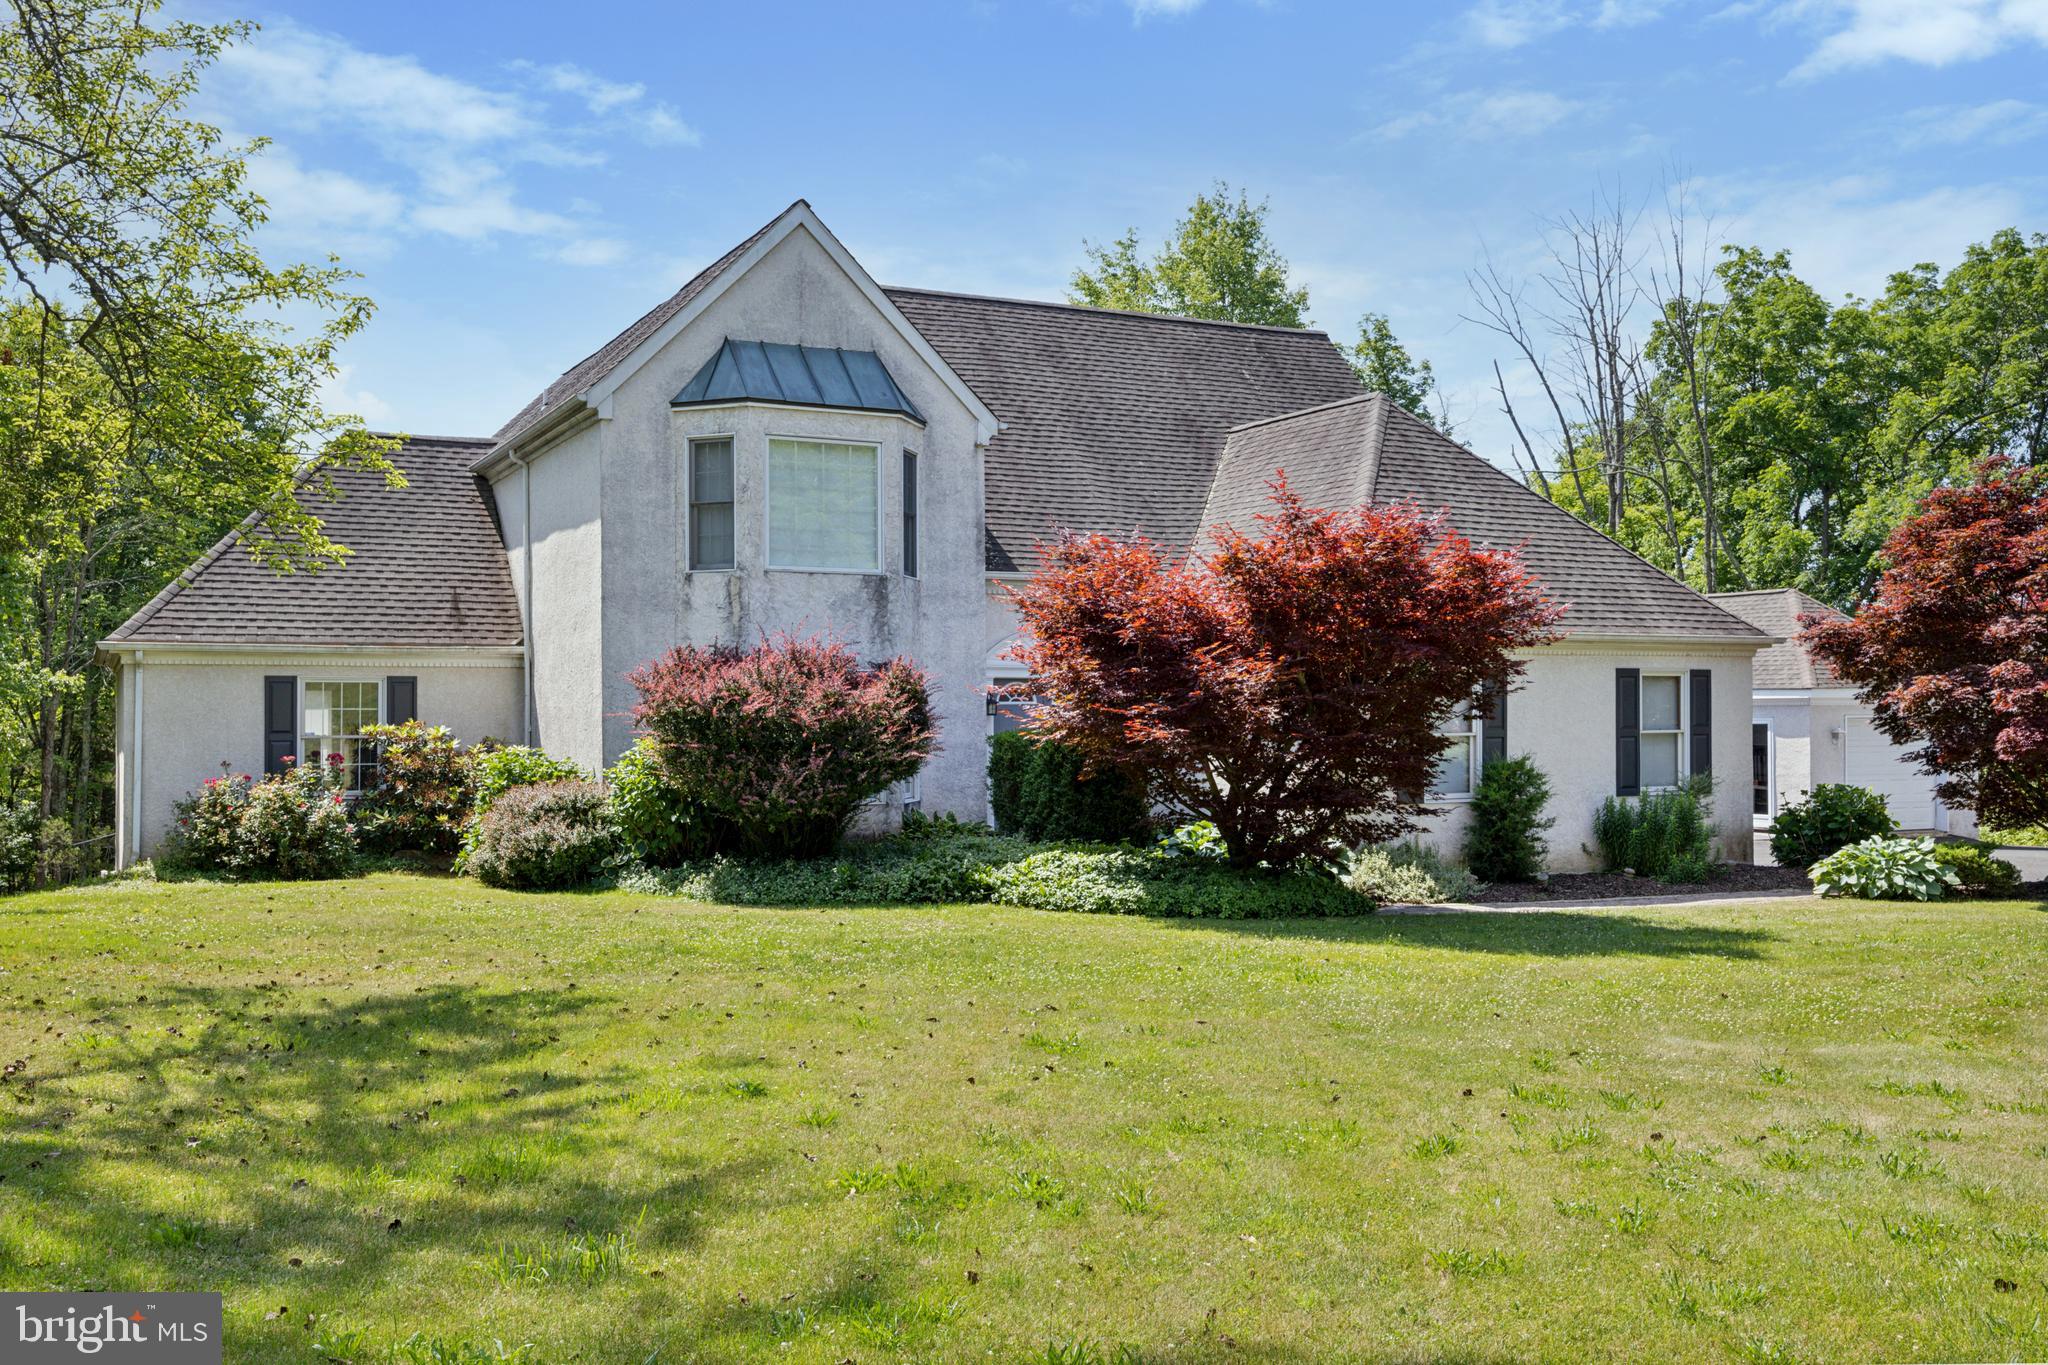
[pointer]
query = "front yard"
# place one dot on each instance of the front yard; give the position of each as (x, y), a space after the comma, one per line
(407, 1118)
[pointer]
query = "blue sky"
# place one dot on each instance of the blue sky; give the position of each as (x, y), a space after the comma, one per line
(516, 183)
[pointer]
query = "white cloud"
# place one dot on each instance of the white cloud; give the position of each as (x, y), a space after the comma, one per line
(322, 208)
(1142, 10)
(340, 393)
(1511, 23)
(2000, 123)
(1489, 116)
(663, 127)
(316, 80)
(1628, 13)
(595, 91)
(1929, 32)
(592, 251)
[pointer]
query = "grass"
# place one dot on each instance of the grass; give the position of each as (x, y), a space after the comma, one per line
(408, 1119)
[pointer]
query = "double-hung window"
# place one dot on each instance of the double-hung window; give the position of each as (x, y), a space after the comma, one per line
(1457, 769)
(711, 539)
(823, 506)
(1663, 731)
(333, 715)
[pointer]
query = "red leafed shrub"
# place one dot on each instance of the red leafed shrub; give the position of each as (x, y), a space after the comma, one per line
(1951, 654)
(1289, 685)
(773, 749)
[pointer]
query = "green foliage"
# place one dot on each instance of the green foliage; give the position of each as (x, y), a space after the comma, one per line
(422, 796)
(1384, 365)
(1833, 815)
(1219, 264)
(1195, 839)
(1504, 842)
(1409, 874)
(1126, 882)
(2035, 836)
(496, 770)
(1038, 791)
(1977, 872)
(932, 862)
(546, 836)
(1664, 835)
(294, 826)
(658, 825)
(1885, 869)
(39, 852)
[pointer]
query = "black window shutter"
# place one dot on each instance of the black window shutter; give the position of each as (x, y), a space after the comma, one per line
(1493, 701)
(280, 722)
(401, 700)
(1628, 732)
(1702, 722)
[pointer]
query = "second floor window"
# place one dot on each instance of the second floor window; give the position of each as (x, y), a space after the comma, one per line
(711, 544)
(823, 505)
(910, 514)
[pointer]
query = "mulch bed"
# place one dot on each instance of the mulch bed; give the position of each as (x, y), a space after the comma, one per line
(1729, 879)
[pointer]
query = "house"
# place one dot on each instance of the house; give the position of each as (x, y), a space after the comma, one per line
(784, 444)
(1808, 727)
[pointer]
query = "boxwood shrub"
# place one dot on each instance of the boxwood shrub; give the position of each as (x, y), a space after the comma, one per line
(1833, 815)
(1038, 791)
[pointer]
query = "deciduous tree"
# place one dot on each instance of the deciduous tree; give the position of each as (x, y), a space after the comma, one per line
(1952, 652)
(1289, 684)
(1219, 264)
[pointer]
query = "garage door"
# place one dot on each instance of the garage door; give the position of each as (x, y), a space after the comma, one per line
(1871, 760)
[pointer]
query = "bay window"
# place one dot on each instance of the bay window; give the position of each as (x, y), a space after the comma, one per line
(823, 506)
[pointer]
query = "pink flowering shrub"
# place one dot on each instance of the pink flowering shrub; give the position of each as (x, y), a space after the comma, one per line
(768, 752)
(293, 825)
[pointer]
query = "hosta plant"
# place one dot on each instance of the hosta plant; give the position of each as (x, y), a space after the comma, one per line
(1886, 870)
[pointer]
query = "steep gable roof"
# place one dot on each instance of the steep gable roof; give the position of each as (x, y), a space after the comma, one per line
(1776, 611)
(1112, 421)
(1366, 449)
(427, 568)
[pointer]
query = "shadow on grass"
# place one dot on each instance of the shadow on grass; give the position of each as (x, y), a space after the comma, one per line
(1541, 933)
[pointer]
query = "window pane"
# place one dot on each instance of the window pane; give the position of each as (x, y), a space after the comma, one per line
(711, 471)
(1660, 760)
(332, 718)
(1454, 769)
(1660, 703)
(821, 506)
(711, 536)
(910, 514)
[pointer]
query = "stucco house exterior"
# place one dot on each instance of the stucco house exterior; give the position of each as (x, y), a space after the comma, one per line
(1809, 728)
(785, 445)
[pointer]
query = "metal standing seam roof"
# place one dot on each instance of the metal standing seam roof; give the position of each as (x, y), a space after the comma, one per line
(1776, 611)
(1367, 449)
(427, 569)
(808, 376)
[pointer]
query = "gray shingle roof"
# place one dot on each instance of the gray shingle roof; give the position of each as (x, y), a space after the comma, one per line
(1367, 449)
(605, 358)
(427, 569)
(1776, 611)
(1112, 421)
(808, 376)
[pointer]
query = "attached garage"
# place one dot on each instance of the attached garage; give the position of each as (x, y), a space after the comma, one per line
(1870, 759)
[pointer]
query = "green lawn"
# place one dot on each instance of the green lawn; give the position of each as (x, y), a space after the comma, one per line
(403, 1118)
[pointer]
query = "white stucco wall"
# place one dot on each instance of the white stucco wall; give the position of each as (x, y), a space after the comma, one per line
(1810, 730)
(612, 575)
(199, 709)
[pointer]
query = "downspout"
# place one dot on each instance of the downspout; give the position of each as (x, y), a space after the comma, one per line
(135, 761)
(526, 578)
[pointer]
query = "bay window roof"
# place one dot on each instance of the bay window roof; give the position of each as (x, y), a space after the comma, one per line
(805, 376)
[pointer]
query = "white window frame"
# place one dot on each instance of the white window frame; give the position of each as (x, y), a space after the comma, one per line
(1770, 772)
(1475, 758)
(1684, 729)
(383, 712)
(690, 444)
(881, 568)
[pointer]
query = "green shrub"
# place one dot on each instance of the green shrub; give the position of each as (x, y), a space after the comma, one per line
(1664, 835)
(1833, 815)
(1409, 874)
(19, 822)
(1122, 881)
(1196, 839)
(1886, 870)
(1038, 791)
(2035, 836)
(1977, 872)
(295, 825)
(423, 792)
(37, 852)
(656, 824)
(545, 836)
(1505, 842)
(932, 861)
(498, 768)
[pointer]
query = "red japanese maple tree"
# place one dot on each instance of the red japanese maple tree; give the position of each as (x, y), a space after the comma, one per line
(1951, 655)
(1288, 685)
